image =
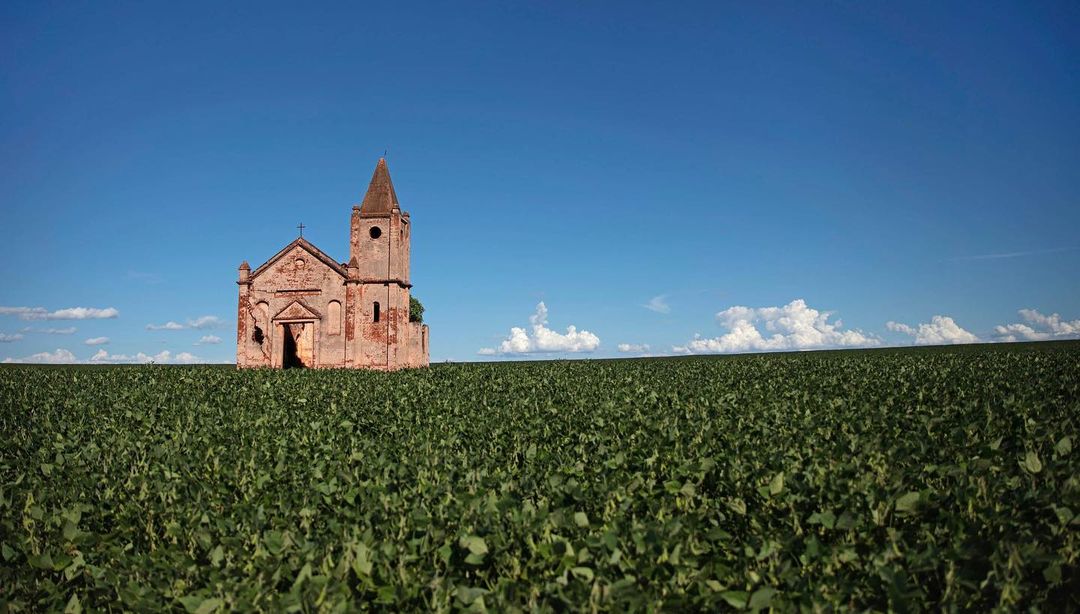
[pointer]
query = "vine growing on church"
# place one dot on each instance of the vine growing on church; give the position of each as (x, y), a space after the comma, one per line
(416, 310)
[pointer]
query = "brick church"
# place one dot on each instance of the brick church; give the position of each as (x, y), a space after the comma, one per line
(302, 308)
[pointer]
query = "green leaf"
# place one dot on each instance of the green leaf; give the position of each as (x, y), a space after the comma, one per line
(217, 555)
(275, 542)
(583, 573)
(73, 606)
(191, 602)
(362, 560)
(776, 485)
(1064, 514)
(41, 561)
(826, 519)
(210, 605)
(302, 576)
(475, 544)
(1063, 446)
(738, 506)
(468, 594)
(386, 594)
(761, 598)
(1032, 462)
(581, 519)
(736, 599)
(1052, 573)
(908, 502)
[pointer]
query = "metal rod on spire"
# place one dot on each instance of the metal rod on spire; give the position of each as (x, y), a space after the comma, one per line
(301, 227)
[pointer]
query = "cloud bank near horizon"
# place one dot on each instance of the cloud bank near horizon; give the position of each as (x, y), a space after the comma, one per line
(1038, 327)
(540, 339)
(62, 356)
(795, 326)
(70, 313)
(940, 330)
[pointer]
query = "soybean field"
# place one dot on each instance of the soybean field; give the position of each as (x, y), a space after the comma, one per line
(909, 479)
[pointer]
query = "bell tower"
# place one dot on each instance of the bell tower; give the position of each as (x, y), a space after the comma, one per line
(379, 244)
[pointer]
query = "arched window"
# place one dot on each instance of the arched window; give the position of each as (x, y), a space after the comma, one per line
(333, 314)
(376, 312)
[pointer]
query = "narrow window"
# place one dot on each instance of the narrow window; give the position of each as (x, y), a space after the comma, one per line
(376, 312)
(333, 314)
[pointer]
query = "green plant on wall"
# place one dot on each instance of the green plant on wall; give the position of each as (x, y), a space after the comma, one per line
(416, 310)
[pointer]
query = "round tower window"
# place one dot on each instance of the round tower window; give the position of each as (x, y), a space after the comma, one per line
(375, 232)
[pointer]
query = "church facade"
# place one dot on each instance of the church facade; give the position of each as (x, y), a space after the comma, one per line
(302, 308)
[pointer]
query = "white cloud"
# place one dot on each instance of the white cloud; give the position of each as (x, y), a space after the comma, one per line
(541, 339)
(1039, 327)
(486, 351)
(198, 323)
(205, 322)
(71, 313)
(5, 338)
(96, 341)
(794, 326)
(162, 357)
(939, 330)
(70, 330)
(60, 356)
(209, 340)
(633, 347)
(901, 328)
(658, 304)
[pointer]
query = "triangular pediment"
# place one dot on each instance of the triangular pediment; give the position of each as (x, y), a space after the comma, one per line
(303, 244)
(298, 310)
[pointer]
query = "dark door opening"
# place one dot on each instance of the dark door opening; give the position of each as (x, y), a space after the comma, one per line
(290, 358)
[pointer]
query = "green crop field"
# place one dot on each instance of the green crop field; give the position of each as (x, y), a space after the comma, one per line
(890, 479)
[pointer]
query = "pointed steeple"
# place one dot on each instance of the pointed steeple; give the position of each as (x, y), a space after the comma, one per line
(380, 197)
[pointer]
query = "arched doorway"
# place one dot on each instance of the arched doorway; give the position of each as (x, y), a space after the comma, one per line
(298, 345)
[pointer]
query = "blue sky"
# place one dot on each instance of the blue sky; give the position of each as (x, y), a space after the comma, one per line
(755, 165)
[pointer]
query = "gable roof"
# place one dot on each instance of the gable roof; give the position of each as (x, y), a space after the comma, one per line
(380, 198)
(309, 248)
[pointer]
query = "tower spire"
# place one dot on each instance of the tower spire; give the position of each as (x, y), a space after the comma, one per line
(381, 197)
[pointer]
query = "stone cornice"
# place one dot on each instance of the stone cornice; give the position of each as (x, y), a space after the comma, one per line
(395, 280)
(380, 215)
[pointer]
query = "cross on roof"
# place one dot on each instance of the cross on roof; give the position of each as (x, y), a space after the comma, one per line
(301, 227)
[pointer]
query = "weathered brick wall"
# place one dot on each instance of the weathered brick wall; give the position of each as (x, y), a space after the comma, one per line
(296, 276)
